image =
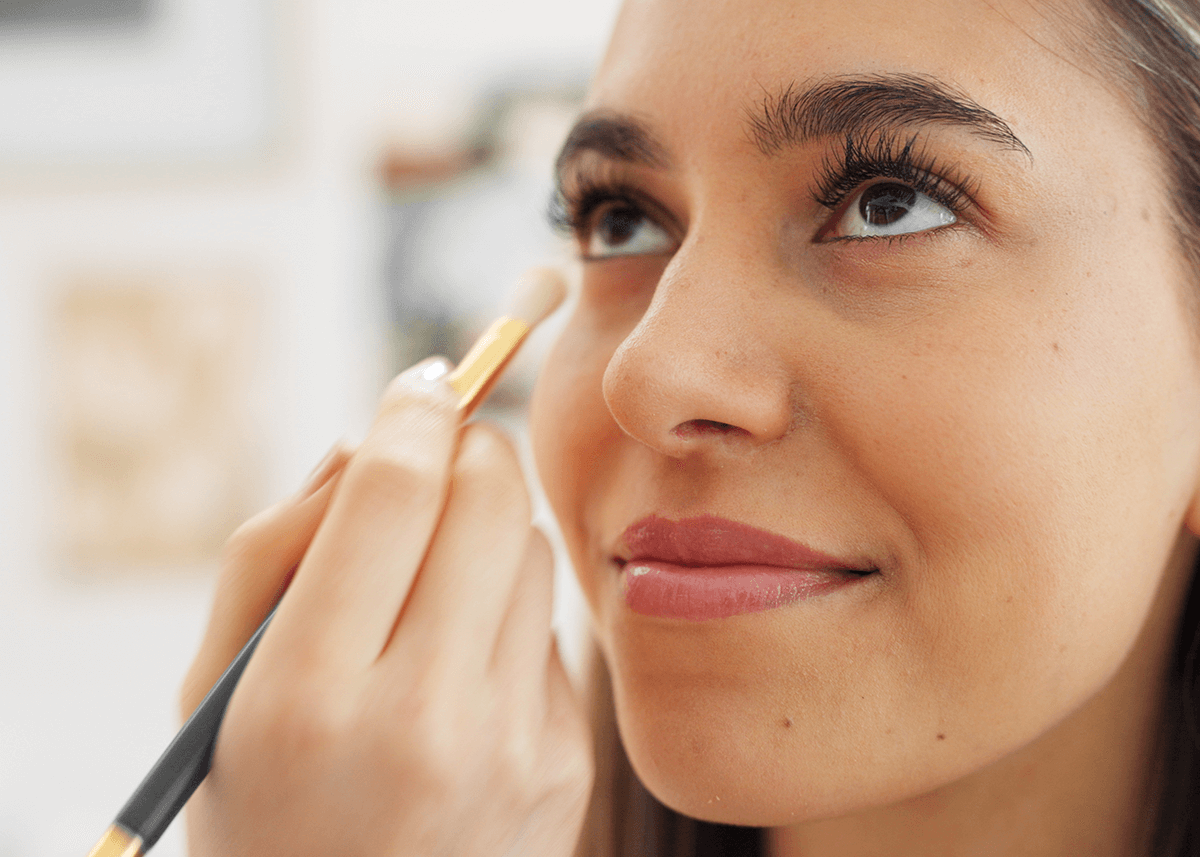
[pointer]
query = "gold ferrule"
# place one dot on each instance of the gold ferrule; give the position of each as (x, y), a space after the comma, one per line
(117, 842)
(474, 374)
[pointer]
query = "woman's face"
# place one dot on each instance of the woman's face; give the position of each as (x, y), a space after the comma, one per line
(930, 328)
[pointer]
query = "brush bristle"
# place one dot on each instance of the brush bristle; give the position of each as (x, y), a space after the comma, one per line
(539, 293)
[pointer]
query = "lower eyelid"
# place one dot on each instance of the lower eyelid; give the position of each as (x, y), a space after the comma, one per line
(935, 234)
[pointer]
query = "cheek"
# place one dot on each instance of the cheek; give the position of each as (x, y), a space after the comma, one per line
(572, 430)
(1038, 454)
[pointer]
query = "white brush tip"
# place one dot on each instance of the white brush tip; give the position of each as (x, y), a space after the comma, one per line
(539, 292)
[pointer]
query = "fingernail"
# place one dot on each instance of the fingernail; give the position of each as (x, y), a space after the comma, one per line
(323, 471)
(436, 369)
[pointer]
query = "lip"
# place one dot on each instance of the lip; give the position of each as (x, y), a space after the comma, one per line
(708, 567)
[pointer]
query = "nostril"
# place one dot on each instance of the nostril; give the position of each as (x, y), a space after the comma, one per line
(701, 428)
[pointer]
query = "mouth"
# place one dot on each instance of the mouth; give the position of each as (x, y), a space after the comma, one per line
(707, 568)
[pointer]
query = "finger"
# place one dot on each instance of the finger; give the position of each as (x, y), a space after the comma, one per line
(460, 595)
(356, 574)
(333, 462)
(525, 638)
(258, 561)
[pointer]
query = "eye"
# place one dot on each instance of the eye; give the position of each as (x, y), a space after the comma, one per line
(619, 228)
(891, 208)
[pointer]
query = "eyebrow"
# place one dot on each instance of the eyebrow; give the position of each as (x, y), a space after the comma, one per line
(615, 136)
(851, 106)
(801, 113)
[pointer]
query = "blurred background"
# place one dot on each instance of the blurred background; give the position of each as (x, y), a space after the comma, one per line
(224, 224)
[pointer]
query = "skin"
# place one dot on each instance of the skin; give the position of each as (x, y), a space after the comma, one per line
(383, 712)
(1002, 416)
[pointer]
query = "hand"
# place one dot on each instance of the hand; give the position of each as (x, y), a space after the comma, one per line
(408, 697)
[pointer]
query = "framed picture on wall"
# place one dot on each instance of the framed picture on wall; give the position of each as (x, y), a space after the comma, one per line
(154, 426)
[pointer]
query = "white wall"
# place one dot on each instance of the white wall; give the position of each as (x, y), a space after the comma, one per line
(252, 141)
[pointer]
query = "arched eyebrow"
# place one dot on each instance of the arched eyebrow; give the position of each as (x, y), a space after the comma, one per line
(852, 106)
(801, 113)
(614, 136)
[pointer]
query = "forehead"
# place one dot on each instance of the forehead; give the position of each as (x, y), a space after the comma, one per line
(778, 36)
(684, 64)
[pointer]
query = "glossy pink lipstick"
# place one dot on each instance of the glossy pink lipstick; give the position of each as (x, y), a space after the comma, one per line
(710, 568)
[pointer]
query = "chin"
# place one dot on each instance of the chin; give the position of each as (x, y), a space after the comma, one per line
(732, 785)
(749, 750)
(722, 759)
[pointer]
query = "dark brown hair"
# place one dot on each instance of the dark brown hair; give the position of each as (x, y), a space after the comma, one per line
(1150, 51)
(1177, 826)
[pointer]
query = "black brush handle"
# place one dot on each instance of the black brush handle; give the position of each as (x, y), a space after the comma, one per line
(186, 762)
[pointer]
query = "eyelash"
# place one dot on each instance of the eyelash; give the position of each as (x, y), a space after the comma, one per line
(863, 158)
(887, 156)
(570, 212)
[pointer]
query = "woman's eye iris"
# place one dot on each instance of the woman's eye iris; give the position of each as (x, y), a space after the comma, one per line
(892, 208)
(886, 203)
(617, 225)
(624, 230)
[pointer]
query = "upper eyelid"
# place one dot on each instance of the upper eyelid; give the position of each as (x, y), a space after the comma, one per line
(831, 186)
(571, 196)
(957, 202)
(842, 205)
(887, 154)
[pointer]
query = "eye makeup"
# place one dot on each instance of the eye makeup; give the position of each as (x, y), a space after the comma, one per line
(595, 200)
(861, 159)
(886, 155)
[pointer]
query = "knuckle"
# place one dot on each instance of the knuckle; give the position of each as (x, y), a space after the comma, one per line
(516, 754)
(485, 449)
(394, 475)
(407, 452)
(432, 748)
(297, 724)
(488, 461)
(251, 538)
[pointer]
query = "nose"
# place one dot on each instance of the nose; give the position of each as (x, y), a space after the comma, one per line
(699, 373)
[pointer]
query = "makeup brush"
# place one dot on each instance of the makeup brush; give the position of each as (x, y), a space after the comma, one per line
(186, 761)
(537, 295)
